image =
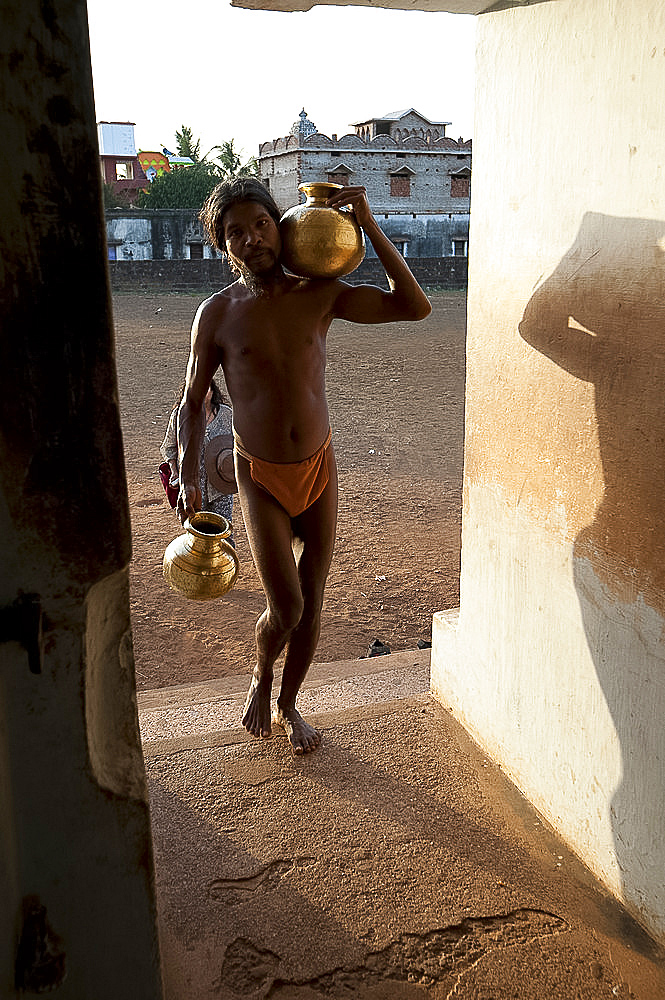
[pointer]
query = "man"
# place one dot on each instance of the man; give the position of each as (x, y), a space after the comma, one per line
(268, 332)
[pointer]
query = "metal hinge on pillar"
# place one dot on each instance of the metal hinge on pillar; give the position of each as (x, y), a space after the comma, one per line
(40, 957)
(22, 622)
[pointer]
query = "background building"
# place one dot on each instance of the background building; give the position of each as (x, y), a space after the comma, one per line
(417, 179)
(154, 163)
(121, 167)
(127, 170)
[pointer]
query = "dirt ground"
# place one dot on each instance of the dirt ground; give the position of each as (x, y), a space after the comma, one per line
(396, 397)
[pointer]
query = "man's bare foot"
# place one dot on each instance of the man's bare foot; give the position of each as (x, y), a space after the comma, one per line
(302, 737)
(256, 714)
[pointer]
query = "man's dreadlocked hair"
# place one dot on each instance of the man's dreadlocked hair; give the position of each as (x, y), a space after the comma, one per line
(229, 193)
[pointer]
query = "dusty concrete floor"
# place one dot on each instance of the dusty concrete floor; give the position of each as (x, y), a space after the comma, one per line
(396, 862)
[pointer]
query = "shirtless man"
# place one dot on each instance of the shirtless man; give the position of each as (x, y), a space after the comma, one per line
(268, 332)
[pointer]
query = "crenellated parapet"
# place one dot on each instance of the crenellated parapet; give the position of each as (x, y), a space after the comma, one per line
(407, 163)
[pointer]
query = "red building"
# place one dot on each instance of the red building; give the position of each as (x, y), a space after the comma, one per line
(120, 165)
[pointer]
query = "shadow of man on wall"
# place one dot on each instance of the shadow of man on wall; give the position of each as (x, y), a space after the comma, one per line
(600, 316)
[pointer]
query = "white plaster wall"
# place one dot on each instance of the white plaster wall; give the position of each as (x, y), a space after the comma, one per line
(564, 686)
(135, 237)
(557, 664)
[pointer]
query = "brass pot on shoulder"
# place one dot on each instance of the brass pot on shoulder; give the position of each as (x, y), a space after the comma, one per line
(319, 241)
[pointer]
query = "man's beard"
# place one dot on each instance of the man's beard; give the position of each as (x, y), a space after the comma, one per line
(257, 284)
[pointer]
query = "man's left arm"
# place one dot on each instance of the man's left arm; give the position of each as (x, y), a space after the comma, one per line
(367, 303)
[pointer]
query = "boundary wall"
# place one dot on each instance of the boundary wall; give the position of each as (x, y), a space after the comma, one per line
(207, 275)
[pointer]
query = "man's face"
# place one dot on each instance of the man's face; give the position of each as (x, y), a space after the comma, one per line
(251, 237)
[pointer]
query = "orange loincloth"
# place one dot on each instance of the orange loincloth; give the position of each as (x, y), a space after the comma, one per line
(294, 485)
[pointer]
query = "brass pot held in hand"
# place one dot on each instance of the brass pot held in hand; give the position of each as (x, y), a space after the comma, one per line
(201, 564)
(319, 241)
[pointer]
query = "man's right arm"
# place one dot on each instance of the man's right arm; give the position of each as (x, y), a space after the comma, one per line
(201, 367)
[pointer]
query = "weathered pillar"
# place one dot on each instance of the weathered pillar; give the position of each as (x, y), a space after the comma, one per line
(557, 664)
(77, 906)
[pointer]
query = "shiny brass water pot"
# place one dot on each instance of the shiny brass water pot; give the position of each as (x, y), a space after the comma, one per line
(319, 241)
(201, 564)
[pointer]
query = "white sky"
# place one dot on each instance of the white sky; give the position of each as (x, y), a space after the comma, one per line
(230, 73)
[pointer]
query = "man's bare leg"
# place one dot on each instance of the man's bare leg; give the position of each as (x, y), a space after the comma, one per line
(315, 540)
(269, 644)
(269, 533)
(303, 737)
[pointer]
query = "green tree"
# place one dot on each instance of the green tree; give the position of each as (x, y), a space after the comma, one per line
(229, 163)
(111, 198)
(186, 145)
(188, 187)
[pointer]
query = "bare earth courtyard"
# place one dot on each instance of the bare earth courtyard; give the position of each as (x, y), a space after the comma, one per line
(396, 396)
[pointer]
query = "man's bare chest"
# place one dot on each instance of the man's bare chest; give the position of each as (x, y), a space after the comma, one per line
(272, 332)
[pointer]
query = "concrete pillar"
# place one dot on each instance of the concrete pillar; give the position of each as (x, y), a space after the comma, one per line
(557, 663)
(76, 880)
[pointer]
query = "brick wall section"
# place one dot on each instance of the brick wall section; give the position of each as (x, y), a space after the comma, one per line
(206, 276)
(168, 275)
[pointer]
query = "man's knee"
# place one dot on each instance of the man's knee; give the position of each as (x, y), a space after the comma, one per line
(311, 614)
(287, 611)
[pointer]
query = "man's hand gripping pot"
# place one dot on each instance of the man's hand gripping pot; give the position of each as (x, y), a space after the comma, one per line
(189, 501)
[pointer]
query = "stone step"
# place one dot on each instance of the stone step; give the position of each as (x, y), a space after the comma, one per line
(208, 713)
